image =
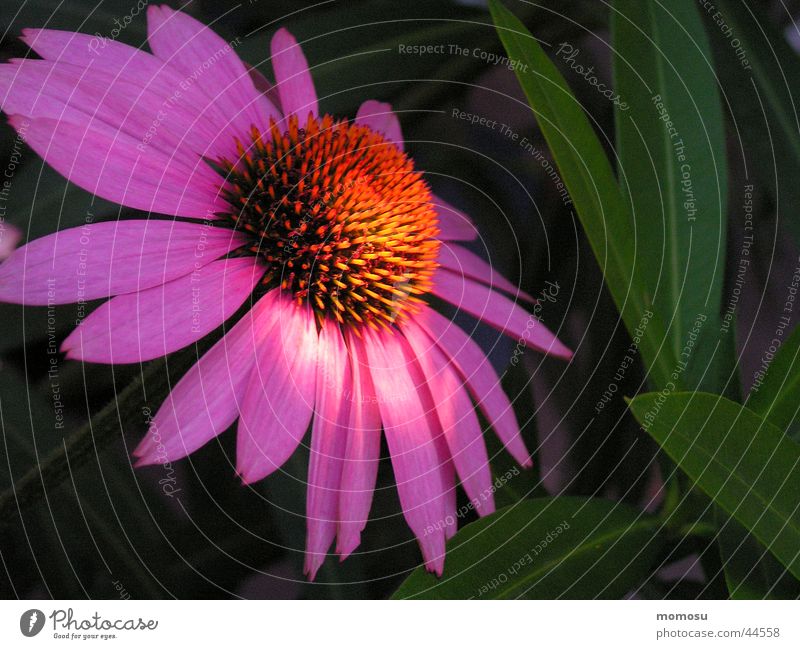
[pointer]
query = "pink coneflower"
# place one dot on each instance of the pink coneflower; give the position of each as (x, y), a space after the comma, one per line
(321, 225)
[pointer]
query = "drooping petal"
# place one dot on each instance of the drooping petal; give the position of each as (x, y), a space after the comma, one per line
(292, 76)
(208, 397)
(128, 92)
(263, 85)
(482, 380)
(109, 258)
(110, 165)
(499, 311)
(457, 417)
(208, 61)
(410, 432)
(454, 225)
(380, 117)
(360, 468)
(464, 262)
(279, 400)
(329, 434)
(140, 326)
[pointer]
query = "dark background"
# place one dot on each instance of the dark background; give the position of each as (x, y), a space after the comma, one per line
(89, 525)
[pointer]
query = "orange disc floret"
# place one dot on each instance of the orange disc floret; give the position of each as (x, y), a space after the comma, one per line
(340, 216)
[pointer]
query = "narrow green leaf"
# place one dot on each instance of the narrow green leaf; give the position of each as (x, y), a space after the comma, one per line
(671, 148)
(604, 213)
(761, 76)
(544, 548)
(743, 462)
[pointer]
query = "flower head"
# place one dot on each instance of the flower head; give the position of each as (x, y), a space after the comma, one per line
(321, 225)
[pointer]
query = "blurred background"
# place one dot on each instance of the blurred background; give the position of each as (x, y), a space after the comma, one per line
(86, 524)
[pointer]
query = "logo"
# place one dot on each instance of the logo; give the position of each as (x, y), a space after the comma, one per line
(31, 622)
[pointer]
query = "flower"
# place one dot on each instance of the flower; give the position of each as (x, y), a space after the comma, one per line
(319, 229)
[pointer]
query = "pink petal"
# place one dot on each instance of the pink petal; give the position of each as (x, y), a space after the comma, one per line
(110, 165)
(481, 379)
(292, 76)
(207, 399)
(499, 311)
(207, 60)
(465, 262)
(457, 417)
(360, 469)
(410, 432)
(454, 225)
(279, 400)
(128, 91)
(263, 85)
(148, 324)
(328, 443)
(380, 117)
(10, 236)
(101, 259)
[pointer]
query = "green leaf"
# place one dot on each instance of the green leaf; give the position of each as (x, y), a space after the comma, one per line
(671, 148)
(545, 548)
(761, 76)
(83, 444)
(751, 572)
(743, 462)
(604, 213)
(775, 394)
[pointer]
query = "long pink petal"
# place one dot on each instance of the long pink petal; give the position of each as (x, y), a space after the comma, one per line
(328, 443)
(110, 165)
(208, 61)
(454, 225)
(499, 311)
(208, 397)
(140, 326)
(380, 117)
(128, 91)
(279, 400)
(482, 380)
(101, 259)
(465, 262)
(457, 417)
(360, 469)
(410, 433)
(292, 76)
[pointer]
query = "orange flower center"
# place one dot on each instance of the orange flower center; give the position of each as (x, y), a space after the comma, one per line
(340, 216)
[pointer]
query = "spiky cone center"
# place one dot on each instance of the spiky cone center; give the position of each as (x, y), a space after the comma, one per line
(340, 216)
